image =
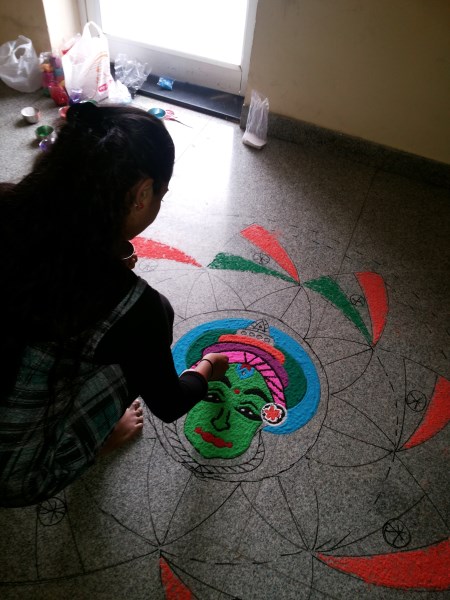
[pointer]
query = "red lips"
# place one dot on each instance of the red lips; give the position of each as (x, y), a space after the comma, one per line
(212, 439)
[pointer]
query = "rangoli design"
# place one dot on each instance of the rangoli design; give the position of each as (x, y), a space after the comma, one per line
(309, 466)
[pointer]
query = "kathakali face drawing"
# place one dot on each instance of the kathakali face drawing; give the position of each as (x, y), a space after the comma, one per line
(271, 386)
(225, 422)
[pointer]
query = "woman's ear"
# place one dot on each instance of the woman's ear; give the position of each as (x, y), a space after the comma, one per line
(142, 193)
(140, 208)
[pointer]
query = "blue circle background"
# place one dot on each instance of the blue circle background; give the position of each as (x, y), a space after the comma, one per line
(297, 416)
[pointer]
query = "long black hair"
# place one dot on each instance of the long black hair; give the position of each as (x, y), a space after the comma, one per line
(61, 225)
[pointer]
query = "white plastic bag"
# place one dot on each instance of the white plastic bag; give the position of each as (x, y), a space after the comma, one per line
(19, 65)
(257, 122)
(118, 94)
(86, 65)
(131, 72)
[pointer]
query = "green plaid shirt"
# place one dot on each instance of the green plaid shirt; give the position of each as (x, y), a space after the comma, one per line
(50, 433)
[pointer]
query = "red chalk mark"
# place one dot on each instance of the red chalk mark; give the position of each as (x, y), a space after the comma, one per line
(146, 248)
(374, 290)
(268, 243)
(212, 439)
(173, 587)
(427, 568)
(436, 417)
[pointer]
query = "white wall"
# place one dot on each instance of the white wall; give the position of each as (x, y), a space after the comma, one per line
(375, 69)
(63, 21)
(48, 23)
(24, 17)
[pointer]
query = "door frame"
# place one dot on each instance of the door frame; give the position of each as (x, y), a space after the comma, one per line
(180, 66)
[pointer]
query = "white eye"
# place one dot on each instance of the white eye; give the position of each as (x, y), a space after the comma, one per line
(211, 397)
(245, 411)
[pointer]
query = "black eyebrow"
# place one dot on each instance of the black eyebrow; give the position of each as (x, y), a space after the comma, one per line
(257, 392)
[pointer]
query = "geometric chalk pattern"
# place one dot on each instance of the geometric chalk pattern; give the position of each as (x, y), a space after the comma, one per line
(424, 568)
(296, 427)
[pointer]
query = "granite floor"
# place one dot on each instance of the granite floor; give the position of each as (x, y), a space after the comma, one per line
(334, 274)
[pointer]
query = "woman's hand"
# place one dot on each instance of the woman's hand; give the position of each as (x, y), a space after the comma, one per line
(213, 366)
(219, 365)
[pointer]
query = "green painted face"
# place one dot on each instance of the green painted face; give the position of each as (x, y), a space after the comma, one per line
(225, 422)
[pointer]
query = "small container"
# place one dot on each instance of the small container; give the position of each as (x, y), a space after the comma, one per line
(43, 132)
(75, 95)
(159, 113)
(58, 95)
(45, 144)
(30, 114)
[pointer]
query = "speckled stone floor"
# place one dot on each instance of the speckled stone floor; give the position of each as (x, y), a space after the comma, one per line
(343, 271)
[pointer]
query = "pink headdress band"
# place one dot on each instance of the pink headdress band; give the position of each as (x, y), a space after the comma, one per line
(273, 372)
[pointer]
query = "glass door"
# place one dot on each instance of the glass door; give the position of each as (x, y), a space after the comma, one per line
(204, 42)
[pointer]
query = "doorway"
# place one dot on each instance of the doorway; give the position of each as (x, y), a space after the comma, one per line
(195, 41)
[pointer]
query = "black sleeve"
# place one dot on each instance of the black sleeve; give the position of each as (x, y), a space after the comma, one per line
(140, 342)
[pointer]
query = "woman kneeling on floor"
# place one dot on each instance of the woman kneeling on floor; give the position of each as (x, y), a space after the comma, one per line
(81, 335)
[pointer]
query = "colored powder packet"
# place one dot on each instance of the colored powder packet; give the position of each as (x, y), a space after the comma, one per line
(165, 83)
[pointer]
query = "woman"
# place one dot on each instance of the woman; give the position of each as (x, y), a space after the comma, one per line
(82, 336)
